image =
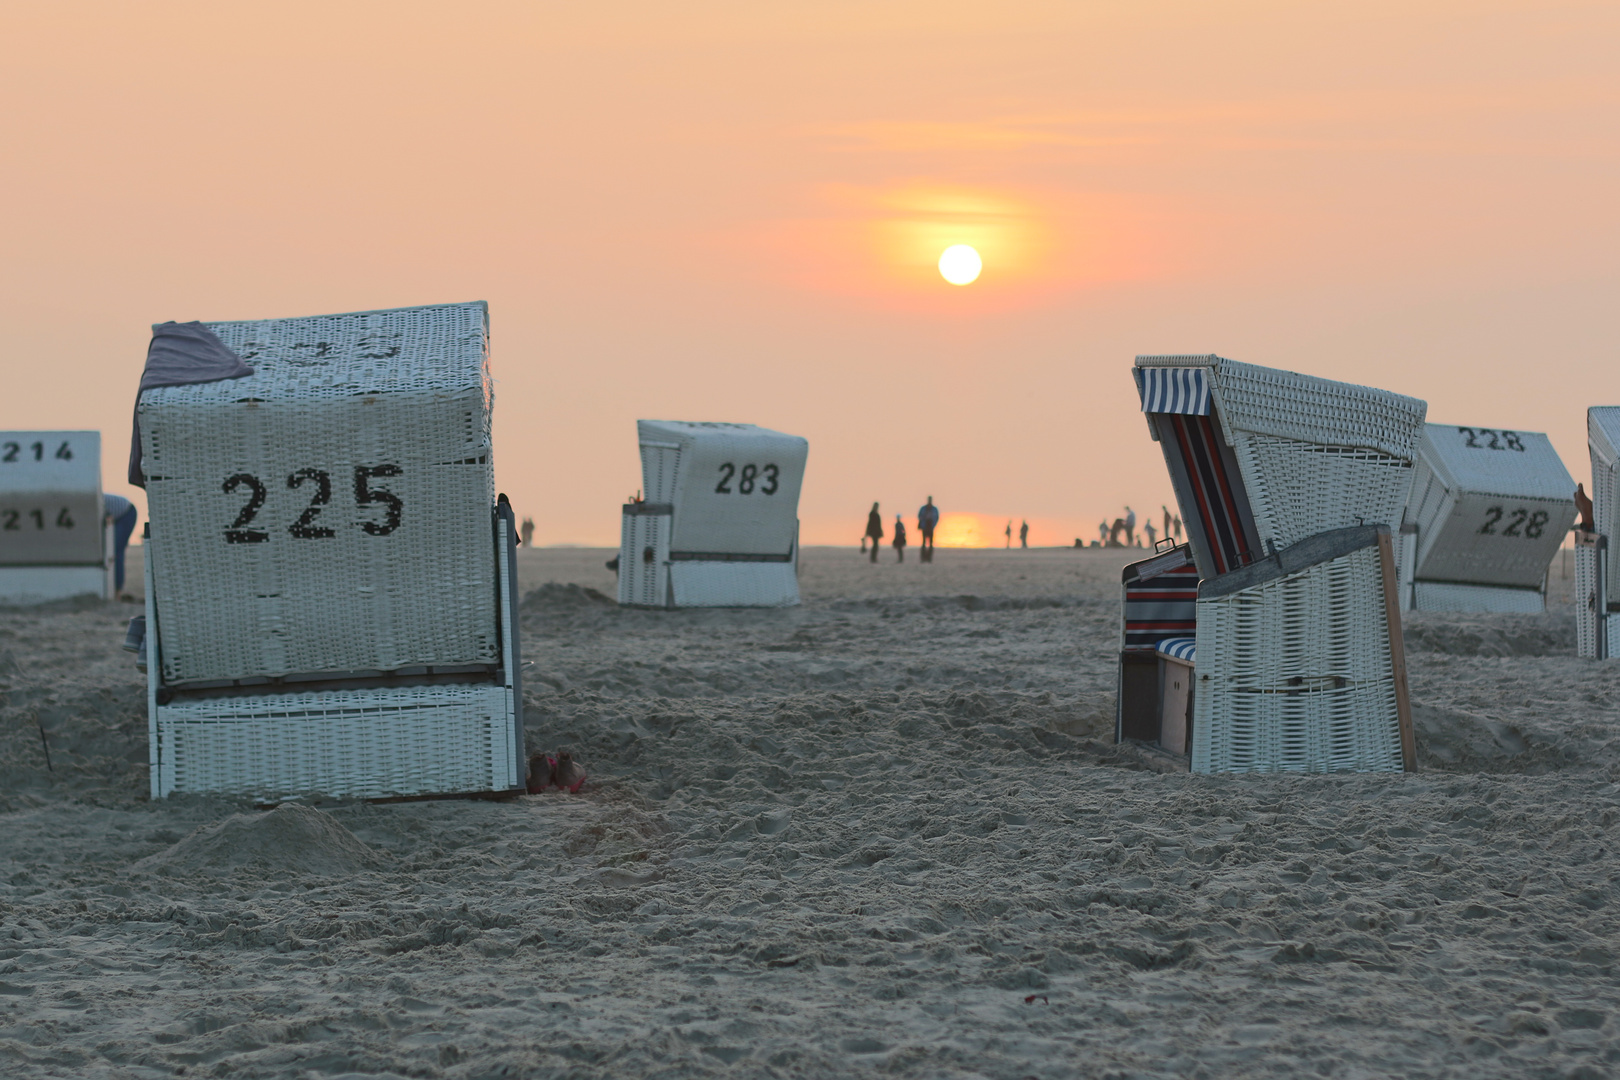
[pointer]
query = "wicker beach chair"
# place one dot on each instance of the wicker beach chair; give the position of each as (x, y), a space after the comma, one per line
(1290, 487)
(718, 524)
(53, 541)
(1597, 634)
(331, 588)
(1488, 511)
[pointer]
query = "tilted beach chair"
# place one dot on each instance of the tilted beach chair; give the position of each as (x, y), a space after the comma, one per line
(1289, 486)
(331, 594)
(718, 525)
(1488, 511)
(54, 542)
(1597, 554)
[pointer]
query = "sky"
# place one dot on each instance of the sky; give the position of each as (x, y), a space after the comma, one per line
(732, 211)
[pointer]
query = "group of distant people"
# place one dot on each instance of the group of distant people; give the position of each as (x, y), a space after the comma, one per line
(927, 520)
(1108, 535)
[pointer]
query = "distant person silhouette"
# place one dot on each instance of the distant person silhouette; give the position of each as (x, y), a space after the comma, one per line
(899, 539)
(927, 518)
(1009, 534)
(1102, 533)
(874, 529)
(1177, 520)
(1114, 531)
(1166, 510)
(528, 532)
(1147, 527)
(1130, 527)
(1023, 534)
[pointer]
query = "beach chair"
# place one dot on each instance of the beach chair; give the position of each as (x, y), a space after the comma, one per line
(1488, 511)
(1290, 487)
(1597, 634)
(54, 542)
(718, 523)
(331, 587)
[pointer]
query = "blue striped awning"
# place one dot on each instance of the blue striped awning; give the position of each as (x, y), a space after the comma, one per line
(1183, 390)
(1179, 648)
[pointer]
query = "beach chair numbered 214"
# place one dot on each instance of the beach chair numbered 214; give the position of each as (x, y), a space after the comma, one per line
(53, 541)
(1290, 646)
(330, 577)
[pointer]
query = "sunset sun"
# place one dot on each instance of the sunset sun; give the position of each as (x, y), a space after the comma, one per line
(960, 265)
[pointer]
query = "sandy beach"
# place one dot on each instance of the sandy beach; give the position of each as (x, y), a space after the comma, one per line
(883, 833)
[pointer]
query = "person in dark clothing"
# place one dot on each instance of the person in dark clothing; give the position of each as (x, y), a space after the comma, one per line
(899, 539)
(1023, 534)
(927, 518)
(874, 529)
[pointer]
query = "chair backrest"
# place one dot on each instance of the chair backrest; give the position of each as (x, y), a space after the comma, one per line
(1261, 459)
(1160, 600)
(331, 512)
(1491, 506)
(1603, 443)
(50, 498)
(733, 488)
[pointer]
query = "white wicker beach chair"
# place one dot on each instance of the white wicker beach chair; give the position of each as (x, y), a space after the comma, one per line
(331, 595)
(718, 523)
(53, 541)
(1488, 511)
(1597, 634)
(1290, 487)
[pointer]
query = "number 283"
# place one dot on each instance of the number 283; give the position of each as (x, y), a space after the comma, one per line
(747, 479)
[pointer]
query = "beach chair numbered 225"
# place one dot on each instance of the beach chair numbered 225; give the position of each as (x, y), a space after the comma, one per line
(331, 599)
(1290, 645)
(718, 523)
(54, 542)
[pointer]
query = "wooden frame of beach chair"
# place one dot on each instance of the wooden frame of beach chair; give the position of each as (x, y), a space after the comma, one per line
(1488, 512)
(1597, 634)
(331, 580)
(54, 540)
(718, 524)
(1290, 486)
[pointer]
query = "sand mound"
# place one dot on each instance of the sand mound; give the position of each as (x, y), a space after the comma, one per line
(1493, 635)
(291, 838)
(552, 595)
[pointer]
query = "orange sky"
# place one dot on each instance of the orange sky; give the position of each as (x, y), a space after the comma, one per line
(731, 212)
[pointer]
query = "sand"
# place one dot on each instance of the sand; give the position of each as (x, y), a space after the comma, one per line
(885, 833)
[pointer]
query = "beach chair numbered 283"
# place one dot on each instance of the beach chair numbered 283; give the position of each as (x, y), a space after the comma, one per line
(1289, 646)
(1488, 511)
(330, 577)
(718, 525)
(54, 542)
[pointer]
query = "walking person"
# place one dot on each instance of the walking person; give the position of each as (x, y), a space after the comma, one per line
(1166, 510)
(899, 539)
(1009, 534)
(527, 530)
(1102, 533)
(927, 518)
(1148, 528)
(1023, 534)
(874, 529)
(1177, 520)
(1130, 527)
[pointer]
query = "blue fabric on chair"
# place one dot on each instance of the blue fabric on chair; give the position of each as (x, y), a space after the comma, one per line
(1179, 648)
(180, 354)
(1174, 390)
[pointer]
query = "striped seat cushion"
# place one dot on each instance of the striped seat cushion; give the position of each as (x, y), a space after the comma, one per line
(1179, 648)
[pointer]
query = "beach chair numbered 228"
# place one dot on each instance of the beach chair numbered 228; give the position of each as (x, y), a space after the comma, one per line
(1488, 511)
(718, 523)
(330, 578)
(1288, 485)
(53, 541)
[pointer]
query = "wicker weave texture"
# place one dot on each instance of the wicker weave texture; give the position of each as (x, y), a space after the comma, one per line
(1298, 489)
(735, 584)
(1603, 442)
(1477, 599)
(1296, 674)
(736, 486)
(349, 744)
(332, 511)
(50, 498)
(1591, 612)
(644, 560)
